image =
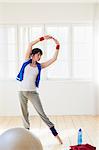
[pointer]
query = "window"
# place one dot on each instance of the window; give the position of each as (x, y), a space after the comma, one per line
(60, 69)
(75, 60)
(27, 34)
(8, 51)
(82, 51)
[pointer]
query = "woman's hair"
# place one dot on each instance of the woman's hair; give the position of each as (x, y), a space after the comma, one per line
(37, 50)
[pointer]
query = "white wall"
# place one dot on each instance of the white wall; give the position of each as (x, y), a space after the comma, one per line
(49, 1)
(45, 13)
(96, 64)
(58, 97)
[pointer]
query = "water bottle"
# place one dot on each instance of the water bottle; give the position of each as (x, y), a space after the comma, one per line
(80, 136)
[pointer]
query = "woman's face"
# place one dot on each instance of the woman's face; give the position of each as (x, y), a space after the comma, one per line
(36, 57)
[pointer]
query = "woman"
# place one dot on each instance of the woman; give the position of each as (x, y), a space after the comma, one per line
(29, 76)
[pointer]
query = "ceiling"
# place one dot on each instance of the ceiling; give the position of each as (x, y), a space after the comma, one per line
(49, 1)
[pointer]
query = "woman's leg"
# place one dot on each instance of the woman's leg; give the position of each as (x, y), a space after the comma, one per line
(35, 100)
(23, 102)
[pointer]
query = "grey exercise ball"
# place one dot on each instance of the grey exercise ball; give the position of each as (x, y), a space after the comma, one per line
(19, 139)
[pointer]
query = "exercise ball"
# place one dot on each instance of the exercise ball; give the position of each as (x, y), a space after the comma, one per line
(19, 139)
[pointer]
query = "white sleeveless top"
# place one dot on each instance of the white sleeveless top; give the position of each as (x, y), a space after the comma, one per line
(28, 82)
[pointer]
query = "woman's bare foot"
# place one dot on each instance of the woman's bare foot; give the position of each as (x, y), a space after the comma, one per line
(59, 139)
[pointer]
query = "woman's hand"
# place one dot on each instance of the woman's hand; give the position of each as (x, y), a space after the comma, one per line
(47, 37)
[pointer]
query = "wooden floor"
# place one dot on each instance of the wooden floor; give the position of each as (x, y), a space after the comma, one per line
(67, 127)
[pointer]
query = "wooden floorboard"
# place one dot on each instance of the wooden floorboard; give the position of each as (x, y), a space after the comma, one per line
(67, 127)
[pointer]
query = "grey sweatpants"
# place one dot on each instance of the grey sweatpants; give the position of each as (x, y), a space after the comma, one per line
(33, 96)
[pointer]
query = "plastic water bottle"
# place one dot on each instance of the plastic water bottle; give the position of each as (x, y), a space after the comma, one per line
(80, 136)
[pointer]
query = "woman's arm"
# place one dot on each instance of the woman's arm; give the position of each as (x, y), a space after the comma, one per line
(54, 58)
(29, 50)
